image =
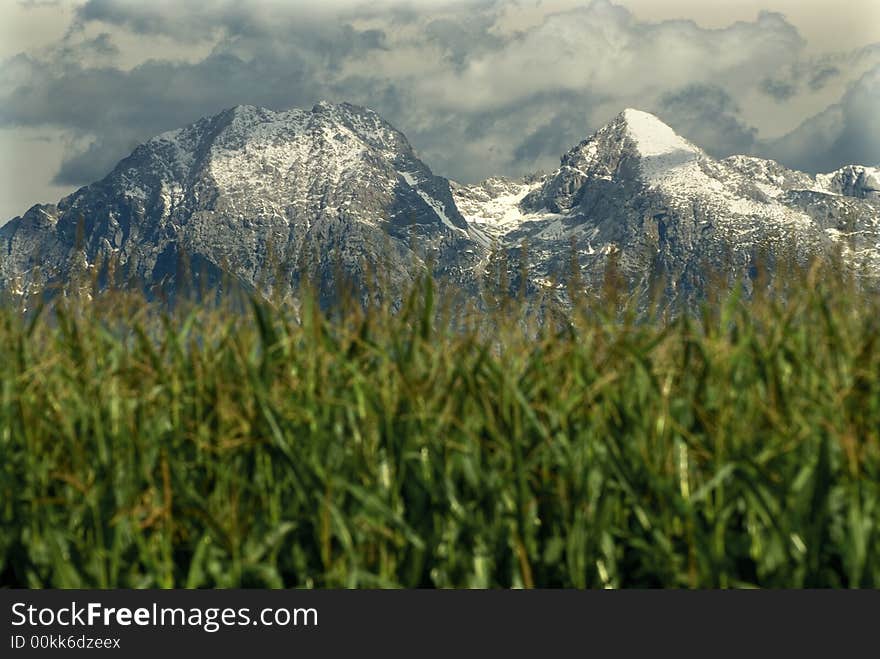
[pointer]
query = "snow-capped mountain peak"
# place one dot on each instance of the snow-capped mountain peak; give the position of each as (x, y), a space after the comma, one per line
(273, 196)
(638, 189)
(652, 137)
(251, 186)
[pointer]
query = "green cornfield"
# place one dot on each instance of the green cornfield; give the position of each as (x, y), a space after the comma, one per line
(426, 445)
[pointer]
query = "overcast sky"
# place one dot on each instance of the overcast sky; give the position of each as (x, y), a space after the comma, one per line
(479, 87)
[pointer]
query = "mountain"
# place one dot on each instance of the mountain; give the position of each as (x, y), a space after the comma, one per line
(270, 198)
(267, 197)
(638, 193)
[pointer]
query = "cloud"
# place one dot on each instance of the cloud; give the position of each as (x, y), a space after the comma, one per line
(814, 74)
(82, 166)
(781, 90)
(475, 96)
(183, 20)
(192, 21)
(820, 77)
(564, 126)
(603, 49)
(847, 132)
(708, 116)
(102, 45)
(38, 4)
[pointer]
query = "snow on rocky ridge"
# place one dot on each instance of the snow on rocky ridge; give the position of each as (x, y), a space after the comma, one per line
(339, 185)
(254, 193)
(654, 138)
(635, 187)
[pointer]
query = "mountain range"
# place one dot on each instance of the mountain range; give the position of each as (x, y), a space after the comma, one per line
(269, 199)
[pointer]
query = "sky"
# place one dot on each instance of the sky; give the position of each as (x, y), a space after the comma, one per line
(480, 87)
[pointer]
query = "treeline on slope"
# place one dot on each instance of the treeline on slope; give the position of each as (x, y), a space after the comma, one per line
(433, 444)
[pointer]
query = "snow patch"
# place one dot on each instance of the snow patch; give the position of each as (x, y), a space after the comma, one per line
(653, 137)
(440, 211)
(494, 206)
(409, 178)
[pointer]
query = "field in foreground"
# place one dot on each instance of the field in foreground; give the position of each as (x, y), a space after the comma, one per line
(202, 448)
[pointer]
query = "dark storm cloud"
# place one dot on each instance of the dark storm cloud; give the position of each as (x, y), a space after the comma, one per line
(38, 4)
(813, 76)
(708, 116)
(475, 99)
(781, 90)
(122, 108)
(188, 21)
(125, 108)
(150, 95)
(461, 39)
(847, 132)
(312, 25)
(98, 158)
(100, 47)
(564, 127)
(821, 76)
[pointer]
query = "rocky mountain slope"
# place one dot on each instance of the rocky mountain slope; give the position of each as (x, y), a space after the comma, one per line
(268, 197)
(336, 193)
(657, 204)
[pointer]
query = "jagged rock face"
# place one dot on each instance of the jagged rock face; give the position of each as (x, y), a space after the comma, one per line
(658, 205)
(267, 197)
(853, 181)
(270, 198)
